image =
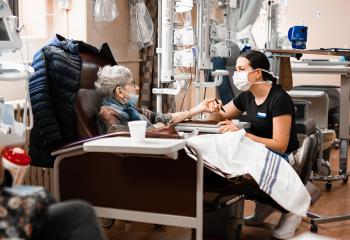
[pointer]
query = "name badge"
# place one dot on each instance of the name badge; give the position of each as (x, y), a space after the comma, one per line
(261, 115)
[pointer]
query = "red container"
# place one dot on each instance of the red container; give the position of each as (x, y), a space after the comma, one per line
(17, 161)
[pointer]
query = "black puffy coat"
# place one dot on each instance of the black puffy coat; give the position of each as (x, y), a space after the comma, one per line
(53, 89)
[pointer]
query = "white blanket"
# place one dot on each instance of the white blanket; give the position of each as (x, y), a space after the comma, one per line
(233, 154)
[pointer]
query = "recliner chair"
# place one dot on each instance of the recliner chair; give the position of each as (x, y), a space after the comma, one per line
(101, 178)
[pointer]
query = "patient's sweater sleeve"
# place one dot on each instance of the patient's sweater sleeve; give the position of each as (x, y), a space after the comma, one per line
(154, 117)
(109, 122)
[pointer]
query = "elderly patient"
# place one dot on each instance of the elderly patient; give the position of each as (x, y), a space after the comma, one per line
(120, 98)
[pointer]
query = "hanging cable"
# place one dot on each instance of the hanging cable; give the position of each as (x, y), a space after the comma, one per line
(188, 87)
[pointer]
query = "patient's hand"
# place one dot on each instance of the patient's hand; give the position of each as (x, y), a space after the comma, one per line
(159, 125)
(227, 126)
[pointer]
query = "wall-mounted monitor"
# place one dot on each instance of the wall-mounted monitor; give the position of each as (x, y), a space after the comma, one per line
(9, 37)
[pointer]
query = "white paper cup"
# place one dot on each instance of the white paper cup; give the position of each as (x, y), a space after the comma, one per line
(137, 130)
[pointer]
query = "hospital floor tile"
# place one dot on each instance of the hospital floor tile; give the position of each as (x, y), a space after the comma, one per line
(334, 202)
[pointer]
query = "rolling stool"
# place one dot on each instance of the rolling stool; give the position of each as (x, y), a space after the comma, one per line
(313, 105)
(313, 218)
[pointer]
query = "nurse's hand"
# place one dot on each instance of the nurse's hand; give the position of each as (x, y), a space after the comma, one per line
(210, 105)
(227, 126)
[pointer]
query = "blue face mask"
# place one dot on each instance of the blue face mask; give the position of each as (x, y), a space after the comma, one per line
(133, 100)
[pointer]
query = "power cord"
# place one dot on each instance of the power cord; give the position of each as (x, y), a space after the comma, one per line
(205, 92)
(188, 87)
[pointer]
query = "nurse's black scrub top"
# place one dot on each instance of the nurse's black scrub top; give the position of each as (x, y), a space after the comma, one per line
(277, 103)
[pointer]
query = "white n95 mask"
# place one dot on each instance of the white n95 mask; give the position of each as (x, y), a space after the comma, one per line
(240, 80)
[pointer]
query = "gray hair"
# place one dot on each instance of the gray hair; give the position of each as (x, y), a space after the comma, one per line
(109, 77)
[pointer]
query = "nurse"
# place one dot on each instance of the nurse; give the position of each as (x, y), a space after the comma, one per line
(270, 111)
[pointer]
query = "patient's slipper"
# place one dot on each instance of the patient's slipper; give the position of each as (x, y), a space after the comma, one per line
(261, 212)
(286, 226)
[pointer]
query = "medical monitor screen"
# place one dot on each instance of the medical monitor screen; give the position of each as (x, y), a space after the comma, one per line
(3, 31)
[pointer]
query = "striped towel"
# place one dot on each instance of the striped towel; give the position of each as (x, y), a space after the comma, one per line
(270, 171)
(232, 154)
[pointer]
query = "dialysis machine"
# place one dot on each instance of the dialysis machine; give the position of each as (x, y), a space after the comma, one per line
(180, 45)
(12, 132)
(185, 51)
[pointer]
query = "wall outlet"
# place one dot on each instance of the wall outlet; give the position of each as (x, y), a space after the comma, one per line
(318, 14)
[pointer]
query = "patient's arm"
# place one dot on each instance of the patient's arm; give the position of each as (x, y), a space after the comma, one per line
(210, 106)
(167, 118)
(156, 118)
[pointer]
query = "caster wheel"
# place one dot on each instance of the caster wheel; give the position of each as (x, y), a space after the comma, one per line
(107, 222)
(345, 180)
(314, 228)
(328, 186)
(157, 226)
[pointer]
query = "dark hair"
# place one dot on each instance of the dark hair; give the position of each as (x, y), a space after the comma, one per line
(259, 60)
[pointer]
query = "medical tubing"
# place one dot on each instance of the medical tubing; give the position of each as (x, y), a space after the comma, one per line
(27, 104)
(189, 85)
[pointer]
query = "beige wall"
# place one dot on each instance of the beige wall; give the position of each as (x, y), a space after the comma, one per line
(43, 19)
(80, 24)
(329, 29)
(328, 26)
(116, 34)
(71, 23)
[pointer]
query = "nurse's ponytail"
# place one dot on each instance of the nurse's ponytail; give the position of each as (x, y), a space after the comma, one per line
(269, 77)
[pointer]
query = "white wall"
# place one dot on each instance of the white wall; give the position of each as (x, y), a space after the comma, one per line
(72, 23)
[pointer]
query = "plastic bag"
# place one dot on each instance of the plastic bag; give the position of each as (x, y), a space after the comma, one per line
(105, 10)
(141, 24)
